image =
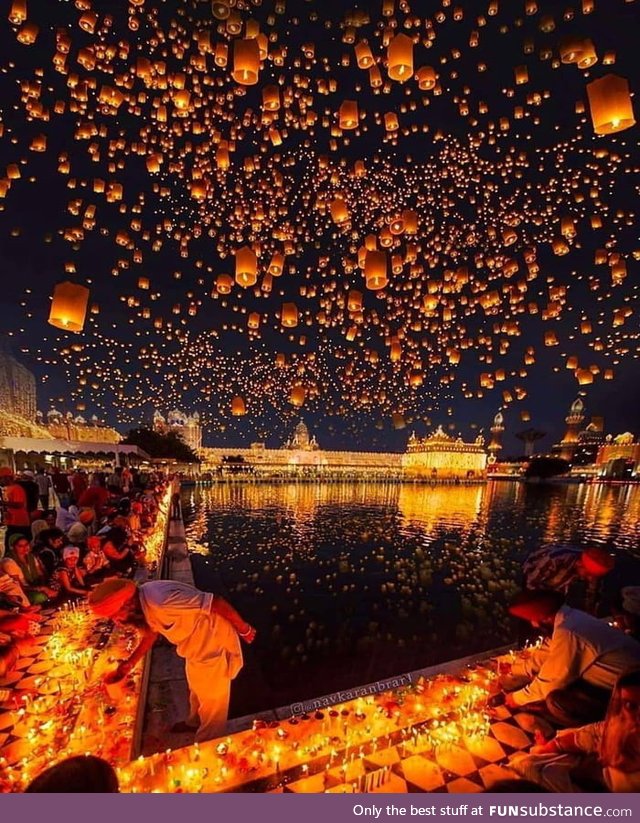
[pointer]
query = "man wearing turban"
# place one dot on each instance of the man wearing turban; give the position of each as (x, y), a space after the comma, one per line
(204, 628)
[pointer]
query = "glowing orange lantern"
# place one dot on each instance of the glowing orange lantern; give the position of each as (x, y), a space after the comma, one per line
(400, 58)
(69, 306)
(426, 78)
(339, 211)
(297, 396)
(246, 62)
(375, 270)
(224, 284)
(18, 12)
(289, 315)
(610, 104)
(246, 267)
(363, 55)
(238, 408)
(348, 115)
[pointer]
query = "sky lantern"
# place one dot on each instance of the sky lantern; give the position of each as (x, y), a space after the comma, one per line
(354, 300)
(400, 58)
(391, 121)
(18, 12)
(253, 321)
(610, 104)
(289, 315)
(69, 306)
(427, 79)
(348, 115)
(271, 98)
(221, 9)
(584, 377)
(224, 284)
(238, 407)
(246, 61)
(246, 267)
(375, 270)
(573, 49)
(276, 266)
(297, 396)
(364, 56)
(339, 211)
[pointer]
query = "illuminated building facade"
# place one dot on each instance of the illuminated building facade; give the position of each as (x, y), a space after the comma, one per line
(441, 456)
(497, 430)
(438, 457)
(567, 448)
(186, 426)
(67, 427)
(17, 389)
(590, 440)
(619, 457)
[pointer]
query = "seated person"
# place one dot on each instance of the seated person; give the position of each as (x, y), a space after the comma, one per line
(117, 550)
(95, 497)
(95, 562)
(69, 576)
(602, 756)
(77, 535)
(37, 527)
(626, 611)
(26, 569)
(12, 595)
(575, 671)
(48, 548)
(556, 568)
(81, 773)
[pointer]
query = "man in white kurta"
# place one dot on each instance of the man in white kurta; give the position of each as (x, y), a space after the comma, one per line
(204, 628)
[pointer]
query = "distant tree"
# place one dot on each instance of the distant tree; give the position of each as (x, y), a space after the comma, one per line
(166, 446)
(529, 438)
(546, 467)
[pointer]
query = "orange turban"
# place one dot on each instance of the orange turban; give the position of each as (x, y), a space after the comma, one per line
(535, 606)
(109, 597)
(86, 516)
(597, 561)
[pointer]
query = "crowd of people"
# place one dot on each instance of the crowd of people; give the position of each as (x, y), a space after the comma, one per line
(65, 534)
(580, 684)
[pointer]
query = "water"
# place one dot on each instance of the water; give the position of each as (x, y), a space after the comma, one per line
(351, 583)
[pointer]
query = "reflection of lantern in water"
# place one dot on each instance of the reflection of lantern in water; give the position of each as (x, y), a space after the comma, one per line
(238, 408)
(375, 270)
(610, 104)
(400, 58)
(246, 266)
(69, 306)
(246, 62)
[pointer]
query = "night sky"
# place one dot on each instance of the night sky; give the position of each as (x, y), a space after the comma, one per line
(468, 179)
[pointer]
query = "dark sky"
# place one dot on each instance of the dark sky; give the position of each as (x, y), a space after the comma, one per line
(209, 361)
